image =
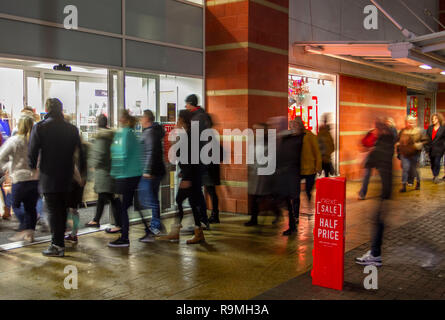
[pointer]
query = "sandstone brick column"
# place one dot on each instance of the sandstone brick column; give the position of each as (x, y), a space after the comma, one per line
(247, 45)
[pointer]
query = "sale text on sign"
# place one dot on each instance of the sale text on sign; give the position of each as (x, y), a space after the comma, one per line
(329, 230)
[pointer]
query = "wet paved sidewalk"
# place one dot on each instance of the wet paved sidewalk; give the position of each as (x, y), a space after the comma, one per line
(413, 268)
(235, 262)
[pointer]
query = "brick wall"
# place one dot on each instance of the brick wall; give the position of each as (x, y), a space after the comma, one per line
(361, 101)
(246, 76)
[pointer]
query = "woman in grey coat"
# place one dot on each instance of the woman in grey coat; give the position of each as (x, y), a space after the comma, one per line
(103, 182)
(260, 186)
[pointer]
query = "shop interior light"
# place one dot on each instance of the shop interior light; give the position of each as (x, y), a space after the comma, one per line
(443, 73)
(425, 66)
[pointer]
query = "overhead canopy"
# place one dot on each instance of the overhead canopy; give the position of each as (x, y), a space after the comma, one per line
(401, 57)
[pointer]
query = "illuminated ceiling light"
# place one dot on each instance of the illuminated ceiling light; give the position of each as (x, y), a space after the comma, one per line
(425, 66)
(312, 49)
(443, 73)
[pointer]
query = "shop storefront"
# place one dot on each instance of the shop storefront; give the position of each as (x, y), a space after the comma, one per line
(313, 97)
(137, 56)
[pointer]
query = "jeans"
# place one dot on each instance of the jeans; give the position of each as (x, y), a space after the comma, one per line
(310, 182)
(377, 238)
(20, 215)
(115, 203)
(435, 165)
(211, 190)
(148, 191)
(127, 188)
(57, 204)
(409, 168)
(26, 193)
(365, 183)
(184, 193)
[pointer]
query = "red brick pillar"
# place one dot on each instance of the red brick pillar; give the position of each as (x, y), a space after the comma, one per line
(246, 76)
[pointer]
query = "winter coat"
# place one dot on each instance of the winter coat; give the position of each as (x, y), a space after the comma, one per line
(326, 144)
(56, 141)
(411, 141)
(203, 118)
(310, 155)
(436, 147)
(100, 159)
(126, 155)
(14, 159)
(189, 171)
(260, 185)
(152, 151)
(287, 173)
(381, 156)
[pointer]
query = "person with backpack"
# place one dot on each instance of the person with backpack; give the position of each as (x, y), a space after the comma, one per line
(409, 146)
(436, 144)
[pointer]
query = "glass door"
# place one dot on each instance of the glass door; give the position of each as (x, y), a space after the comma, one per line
(33, 96)
(63, 89)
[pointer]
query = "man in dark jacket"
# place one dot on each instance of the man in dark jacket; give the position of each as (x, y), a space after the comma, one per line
(154, 171)
(55, 141)
(199, 115)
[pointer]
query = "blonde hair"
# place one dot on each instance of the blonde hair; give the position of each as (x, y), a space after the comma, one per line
(25, 126)
(439, 117)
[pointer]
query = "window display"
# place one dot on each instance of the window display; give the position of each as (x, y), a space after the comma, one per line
(312, 96)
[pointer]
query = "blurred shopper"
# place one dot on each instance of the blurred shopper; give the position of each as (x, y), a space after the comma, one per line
(326, 146)
(409, 146)
(287, 179)
(368, 143)
(126, 168)
(153, 172)
(436, 144)
(55, 141)
(311, 162)
(103, 181)
(14, 155)
(211, 179)
(259, 186)
(200, 117)
(76, 196)
(381, 158)
(185, 191)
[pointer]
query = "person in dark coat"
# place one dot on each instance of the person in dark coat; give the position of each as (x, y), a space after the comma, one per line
(436, 144)
(287, 179)
(55, 141)
(154, 171)
(381, 158)
(201, 117)
(103, 181)
(187, 172)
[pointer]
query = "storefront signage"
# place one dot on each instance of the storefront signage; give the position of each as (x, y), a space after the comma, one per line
(329, 241)
(427, 113)
(101, 93)
(413, 106)
(167, 128)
